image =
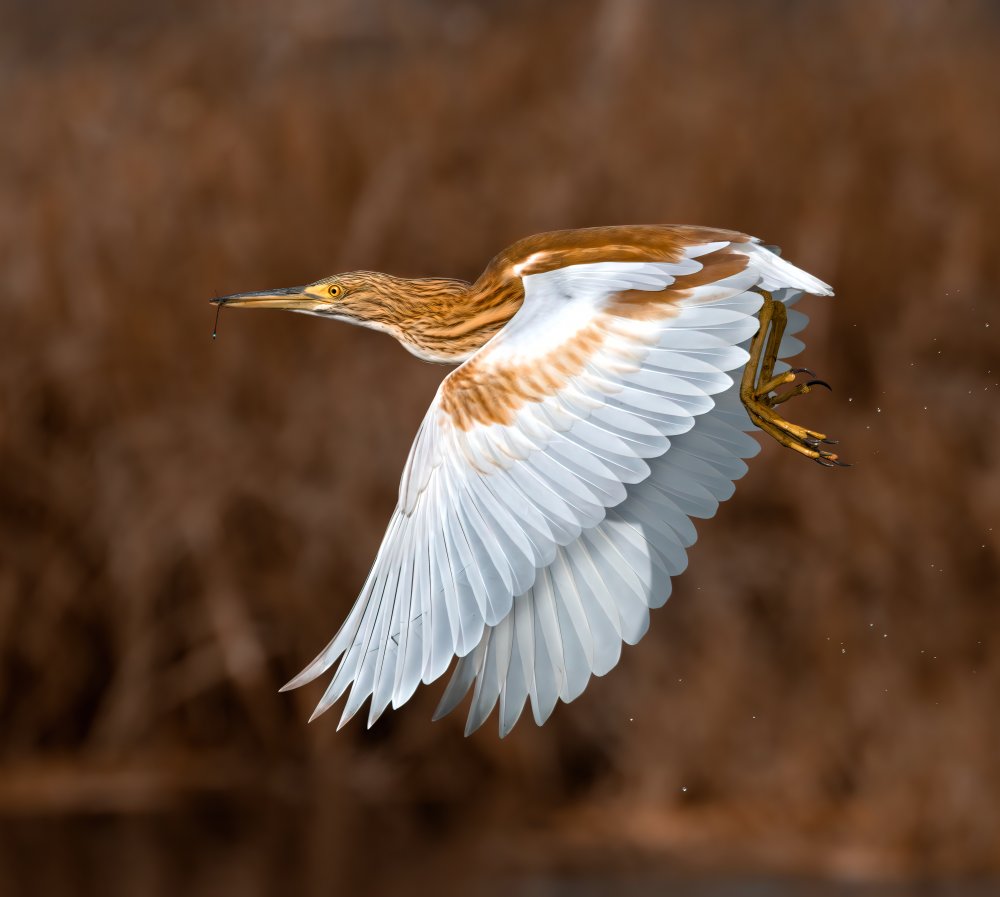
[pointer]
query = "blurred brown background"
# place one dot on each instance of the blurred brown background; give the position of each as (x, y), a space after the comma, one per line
(184, 523)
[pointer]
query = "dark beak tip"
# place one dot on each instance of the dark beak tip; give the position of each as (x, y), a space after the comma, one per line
(247, 298)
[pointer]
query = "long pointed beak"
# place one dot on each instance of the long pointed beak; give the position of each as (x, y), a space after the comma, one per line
(291, 298)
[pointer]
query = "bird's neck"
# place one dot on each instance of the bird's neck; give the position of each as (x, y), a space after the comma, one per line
(447, 320)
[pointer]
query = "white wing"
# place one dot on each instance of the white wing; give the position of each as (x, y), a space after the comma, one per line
(546, 500)
(599, 589)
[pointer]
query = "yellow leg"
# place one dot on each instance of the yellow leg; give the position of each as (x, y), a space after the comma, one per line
(757, 389)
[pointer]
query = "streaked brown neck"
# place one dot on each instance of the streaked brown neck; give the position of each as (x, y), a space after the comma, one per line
(447, 320)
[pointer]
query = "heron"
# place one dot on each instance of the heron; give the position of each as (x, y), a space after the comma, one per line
(607, 383)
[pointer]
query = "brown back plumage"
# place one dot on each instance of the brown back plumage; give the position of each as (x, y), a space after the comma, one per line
(448, 320)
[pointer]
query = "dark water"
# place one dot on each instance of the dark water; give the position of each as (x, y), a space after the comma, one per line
(259, 850)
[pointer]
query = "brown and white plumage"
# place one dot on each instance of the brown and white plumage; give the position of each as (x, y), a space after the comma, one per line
(547, 500)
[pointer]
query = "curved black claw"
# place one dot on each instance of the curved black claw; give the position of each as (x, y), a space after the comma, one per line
(802, 371)
(812, 443)
(819, 383)
(831, 442)
(825, 461)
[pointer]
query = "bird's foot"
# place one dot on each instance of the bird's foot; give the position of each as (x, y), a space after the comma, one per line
(800, 439)
(763, 394)
(759, 395)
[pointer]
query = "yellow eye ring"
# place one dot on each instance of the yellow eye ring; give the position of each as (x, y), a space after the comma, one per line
(335, 291)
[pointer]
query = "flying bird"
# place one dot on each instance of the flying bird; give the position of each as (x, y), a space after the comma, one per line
(608, 380)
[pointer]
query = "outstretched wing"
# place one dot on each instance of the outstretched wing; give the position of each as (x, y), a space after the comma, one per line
(597, 593)
(519, 483)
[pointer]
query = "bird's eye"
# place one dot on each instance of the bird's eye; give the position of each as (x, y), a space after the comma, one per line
(335, 291)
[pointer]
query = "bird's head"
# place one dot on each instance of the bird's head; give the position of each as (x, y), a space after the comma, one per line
(359, 297)
(426, 315)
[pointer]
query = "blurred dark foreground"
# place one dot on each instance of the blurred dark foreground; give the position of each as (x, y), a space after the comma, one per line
(183, 524)
(272, 851)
